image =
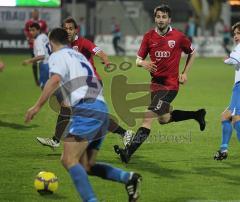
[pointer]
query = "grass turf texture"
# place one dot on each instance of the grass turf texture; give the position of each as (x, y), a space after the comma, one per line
(173, 170)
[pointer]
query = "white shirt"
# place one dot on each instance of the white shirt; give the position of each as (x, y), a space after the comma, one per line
(78, 79)
(41, 47)
(234, 60)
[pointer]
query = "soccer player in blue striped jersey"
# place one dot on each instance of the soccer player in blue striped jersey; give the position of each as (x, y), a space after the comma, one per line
(231, 115)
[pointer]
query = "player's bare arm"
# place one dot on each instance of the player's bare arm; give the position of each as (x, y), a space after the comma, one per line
(33, 60)
(103, 56)
(189, 62)
(148, 65)
(51, 85)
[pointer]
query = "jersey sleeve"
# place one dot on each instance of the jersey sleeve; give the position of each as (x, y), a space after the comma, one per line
(91, 47)
(44, 27)
(144, 48)
(186, 45)
(235, 54)
(57, 65)
(26, 29)
(39, 47)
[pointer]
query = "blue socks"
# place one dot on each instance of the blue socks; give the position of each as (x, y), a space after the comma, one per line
(108, 172)
(237, 128)
(105, 171)
(226, 134)
(80, 179)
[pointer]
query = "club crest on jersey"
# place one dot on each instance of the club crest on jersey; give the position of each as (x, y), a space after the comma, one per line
(171, 43)
(75, 48)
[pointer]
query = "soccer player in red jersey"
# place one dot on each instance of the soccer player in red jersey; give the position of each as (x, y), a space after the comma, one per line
(164, 45)
(29, 37)
(89, 50)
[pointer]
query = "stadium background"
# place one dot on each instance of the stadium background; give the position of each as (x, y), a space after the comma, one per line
(177, 161)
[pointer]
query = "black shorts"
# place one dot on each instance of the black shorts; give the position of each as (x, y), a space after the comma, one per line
(167, 96)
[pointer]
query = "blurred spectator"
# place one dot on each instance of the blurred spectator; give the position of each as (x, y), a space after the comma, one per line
(116, 37)
(190, 28)
(82, 27)
(222, 29)
(43, 25)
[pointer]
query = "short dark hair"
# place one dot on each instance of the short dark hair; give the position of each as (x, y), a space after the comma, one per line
(35, 25)
(236, 26)
(163, 8)
(70, 20)
(59, 35)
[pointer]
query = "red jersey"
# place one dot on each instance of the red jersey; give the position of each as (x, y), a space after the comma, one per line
(43, 26)
(166, 52)
(87, 48)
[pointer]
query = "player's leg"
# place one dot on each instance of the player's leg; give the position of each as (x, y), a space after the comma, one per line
(236, 124)
(115, 45)
(232, 111)
(62, 122)
(88, 118)
(226, 135)
(115, 128)
(106, 171)
(181, 115)
(73, 150)
(35, 69)
(236, 112)
(120, 49)
(43, 74)
(160, 104)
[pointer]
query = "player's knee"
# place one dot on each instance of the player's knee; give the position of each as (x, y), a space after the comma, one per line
(89, 168)
(235, 118)
(226, 115)
(67, 161)
(164, 119)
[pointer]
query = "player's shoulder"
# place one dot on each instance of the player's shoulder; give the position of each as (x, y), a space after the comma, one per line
(78, 41)
(58, 55)
(41, 21)
(236, 49)
(149, 33)
(43, 36)
(86, 41)
(177, 32)
(28, 22)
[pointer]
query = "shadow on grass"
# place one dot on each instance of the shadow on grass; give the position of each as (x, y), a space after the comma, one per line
(191, 199)
(142, 164)
(16, 125)
(221, 171)
(54, 196)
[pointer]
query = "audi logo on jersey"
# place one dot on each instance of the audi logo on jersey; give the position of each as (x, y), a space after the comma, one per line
(162, 54)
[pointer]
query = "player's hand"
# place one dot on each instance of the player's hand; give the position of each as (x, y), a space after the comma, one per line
(106, 64)
(182, 78)
(31, 112)
(149, 66)
(26, 62)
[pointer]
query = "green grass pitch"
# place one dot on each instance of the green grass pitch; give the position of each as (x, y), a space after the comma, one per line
(173, 171)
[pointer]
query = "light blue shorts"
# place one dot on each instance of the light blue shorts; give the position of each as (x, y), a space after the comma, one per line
(89, 121)
(234, 106)
(43, 74)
